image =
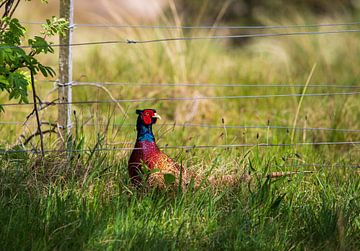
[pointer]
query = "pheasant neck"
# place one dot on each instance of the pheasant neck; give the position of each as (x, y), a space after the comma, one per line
(144, 133)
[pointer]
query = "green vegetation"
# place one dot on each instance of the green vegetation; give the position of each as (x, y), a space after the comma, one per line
(93, 207)
(88, 203)
(15, 62)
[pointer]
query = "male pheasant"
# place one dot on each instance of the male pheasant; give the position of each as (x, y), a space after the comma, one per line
(146, 154)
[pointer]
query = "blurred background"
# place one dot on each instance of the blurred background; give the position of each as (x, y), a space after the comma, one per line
(255, 61)
(246, 12)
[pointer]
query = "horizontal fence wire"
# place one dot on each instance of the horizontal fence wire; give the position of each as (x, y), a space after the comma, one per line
(190, 98)
(241, 36)
(211, 126)
(189, 147)
(210, 85)
(130, 41)
(215, 27)
(244, 127)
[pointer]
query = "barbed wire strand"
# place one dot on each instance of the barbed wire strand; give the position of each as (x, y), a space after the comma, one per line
(242, 36)
(189, 147)
(210, 126)
(256, 127)
(129, 41)
(253, 85)
(215, 27)
(191, 98)
(75, 83)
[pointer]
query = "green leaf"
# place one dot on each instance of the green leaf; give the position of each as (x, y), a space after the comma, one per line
(169, 178)
(145, 169)
(13, 33)
(18, 83)
(191, 185)
(55, 26)
(50, 71)
(39, 44)
(43, 70)
(14, 59)
(4, 83)
(155, 170)
(277, 202)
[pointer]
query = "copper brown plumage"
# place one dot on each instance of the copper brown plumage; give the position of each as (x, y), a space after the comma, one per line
(149, 162)
(147, 155)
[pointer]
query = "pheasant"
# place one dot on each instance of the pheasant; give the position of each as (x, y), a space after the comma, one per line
(146, 154)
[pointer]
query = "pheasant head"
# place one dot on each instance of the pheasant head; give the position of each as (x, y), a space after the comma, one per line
(145, 120)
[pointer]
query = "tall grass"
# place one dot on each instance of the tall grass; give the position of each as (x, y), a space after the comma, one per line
(95, 208)
(86, 202)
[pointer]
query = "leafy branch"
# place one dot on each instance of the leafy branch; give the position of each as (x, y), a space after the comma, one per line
(16, 63)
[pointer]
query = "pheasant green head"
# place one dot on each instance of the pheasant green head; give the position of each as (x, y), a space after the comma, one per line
(145, 120)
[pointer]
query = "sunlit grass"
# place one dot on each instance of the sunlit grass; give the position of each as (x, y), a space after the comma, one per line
(87, 203)
(92, 206)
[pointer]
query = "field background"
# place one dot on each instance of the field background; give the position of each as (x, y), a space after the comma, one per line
(89, 204)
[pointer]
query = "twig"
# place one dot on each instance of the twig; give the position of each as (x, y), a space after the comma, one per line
(13, 10)
(1, 5)
(8, 11)
(29, 116)
(283, 174)
(1, 23)
(8, 6)
(40, 101)
(45, 105)
(42, 107)
(37, 113)
(52, 130)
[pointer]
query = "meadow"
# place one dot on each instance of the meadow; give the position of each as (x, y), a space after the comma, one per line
(84, 200)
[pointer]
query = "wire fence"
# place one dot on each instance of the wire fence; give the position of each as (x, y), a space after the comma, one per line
(198, 98)
(55, 82)
(212, 85)
(188, 147)
(208, 126)
(170, 39)
(213, 27)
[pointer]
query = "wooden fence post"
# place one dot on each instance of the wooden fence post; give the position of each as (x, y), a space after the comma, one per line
(65, 70)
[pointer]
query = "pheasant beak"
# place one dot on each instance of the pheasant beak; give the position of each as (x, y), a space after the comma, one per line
(156, 116)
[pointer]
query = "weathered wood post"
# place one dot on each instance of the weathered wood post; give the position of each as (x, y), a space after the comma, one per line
(65, 70)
